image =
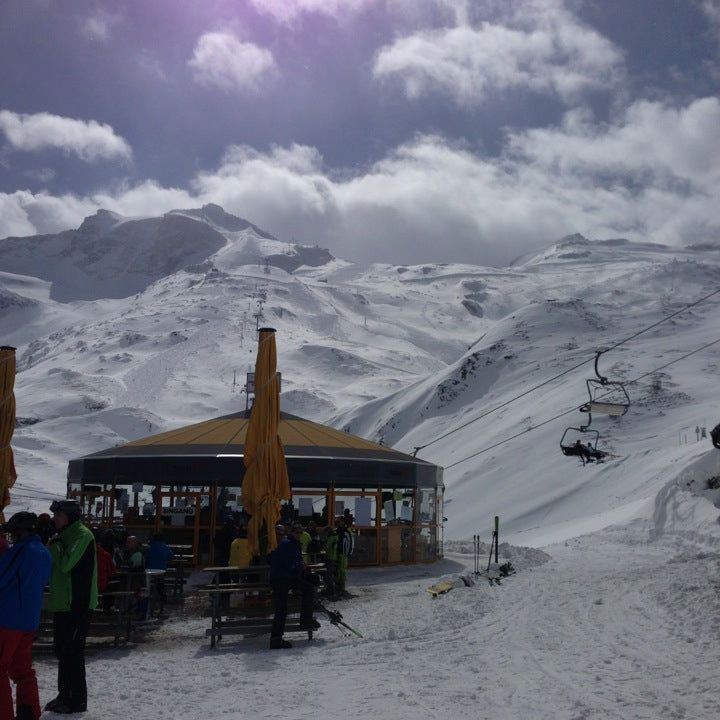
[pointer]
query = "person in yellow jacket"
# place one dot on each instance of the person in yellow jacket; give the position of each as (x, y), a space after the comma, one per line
(240, 550)
(305, 546)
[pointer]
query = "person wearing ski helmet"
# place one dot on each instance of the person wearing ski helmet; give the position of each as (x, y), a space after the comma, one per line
(73, 596)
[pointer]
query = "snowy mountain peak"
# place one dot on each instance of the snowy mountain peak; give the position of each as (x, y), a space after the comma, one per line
(221, 220)
(101, 222)
(574, 239)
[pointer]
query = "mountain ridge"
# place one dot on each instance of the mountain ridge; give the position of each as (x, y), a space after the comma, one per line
(404, 354)
(113, 256)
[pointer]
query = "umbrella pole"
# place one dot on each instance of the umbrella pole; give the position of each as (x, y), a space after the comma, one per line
(8, 474)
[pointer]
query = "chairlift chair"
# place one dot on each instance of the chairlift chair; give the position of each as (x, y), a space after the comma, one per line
(568, 447)
(715, 436)
(599, 388)
(588, 450)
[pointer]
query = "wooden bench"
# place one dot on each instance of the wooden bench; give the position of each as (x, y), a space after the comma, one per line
(176, 578)
(254, 615)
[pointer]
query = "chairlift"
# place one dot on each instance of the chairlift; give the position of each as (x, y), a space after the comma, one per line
(598, 391)
(715, 436)
(582, 442)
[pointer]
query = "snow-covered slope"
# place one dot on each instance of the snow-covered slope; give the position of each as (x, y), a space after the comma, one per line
(125, 327)
(578, 300)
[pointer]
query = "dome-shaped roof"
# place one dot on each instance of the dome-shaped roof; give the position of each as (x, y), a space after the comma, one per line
(212, 451)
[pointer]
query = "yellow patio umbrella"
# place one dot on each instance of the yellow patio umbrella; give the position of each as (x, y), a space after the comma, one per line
(7, 425)
(266, 480)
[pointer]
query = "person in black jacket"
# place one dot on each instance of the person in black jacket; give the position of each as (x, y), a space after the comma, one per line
(287, 572)
(223, 540)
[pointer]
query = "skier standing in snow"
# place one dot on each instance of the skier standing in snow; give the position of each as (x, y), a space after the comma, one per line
(286, 573)
(24, 572)
(223, 540)
(73, 596)
(315, 545)
(157, 557)
(345, 547)
(305, 545)
(331, 554)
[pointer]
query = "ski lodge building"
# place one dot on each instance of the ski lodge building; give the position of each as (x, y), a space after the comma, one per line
(186, 484)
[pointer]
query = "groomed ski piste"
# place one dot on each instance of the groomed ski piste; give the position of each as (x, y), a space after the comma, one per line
(617, 624)
(613, 610)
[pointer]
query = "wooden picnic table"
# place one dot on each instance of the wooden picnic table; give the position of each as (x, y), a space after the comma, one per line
(250, 619)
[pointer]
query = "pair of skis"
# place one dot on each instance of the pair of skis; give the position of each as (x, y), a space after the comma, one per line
(336, 619)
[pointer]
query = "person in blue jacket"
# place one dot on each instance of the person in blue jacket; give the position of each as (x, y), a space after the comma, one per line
(287, 571)
(157, 557)
(158, 554)
(24, 573)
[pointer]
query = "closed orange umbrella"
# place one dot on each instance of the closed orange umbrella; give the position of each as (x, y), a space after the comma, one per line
(7, 425)
(266, 480)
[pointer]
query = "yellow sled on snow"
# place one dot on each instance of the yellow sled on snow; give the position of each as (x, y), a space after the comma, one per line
(441, 588)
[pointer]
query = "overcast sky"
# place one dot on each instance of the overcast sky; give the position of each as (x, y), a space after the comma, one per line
(387, 130)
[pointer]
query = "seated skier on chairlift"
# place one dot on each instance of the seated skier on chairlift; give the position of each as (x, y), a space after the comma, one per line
(582, 452)
(587, 453)
(594, 454)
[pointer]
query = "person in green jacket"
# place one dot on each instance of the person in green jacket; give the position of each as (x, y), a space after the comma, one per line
(73, 596)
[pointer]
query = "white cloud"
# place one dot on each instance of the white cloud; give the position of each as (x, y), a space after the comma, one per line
(412, 12)
(149, 64)
(99, 25)
(537, 45)
(26, 213)
(287, 11)
(89, 140)
(41, 175)
(146, 198)
(712, 11)
(652, 142)
(222, 60)
(653, 173)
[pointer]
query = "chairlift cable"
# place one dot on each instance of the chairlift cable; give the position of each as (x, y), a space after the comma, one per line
(569, 370)
(33, 493)
(567, 412)
(38, 493)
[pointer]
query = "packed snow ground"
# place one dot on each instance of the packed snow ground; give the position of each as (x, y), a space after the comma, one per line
(620, 624)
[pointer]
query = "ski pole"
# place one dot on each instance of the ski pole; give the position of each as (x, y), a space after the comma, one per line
(497, 536)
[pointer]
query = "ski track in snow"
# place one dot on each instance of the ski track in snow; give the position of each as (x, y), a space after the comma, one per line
(613, 626)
